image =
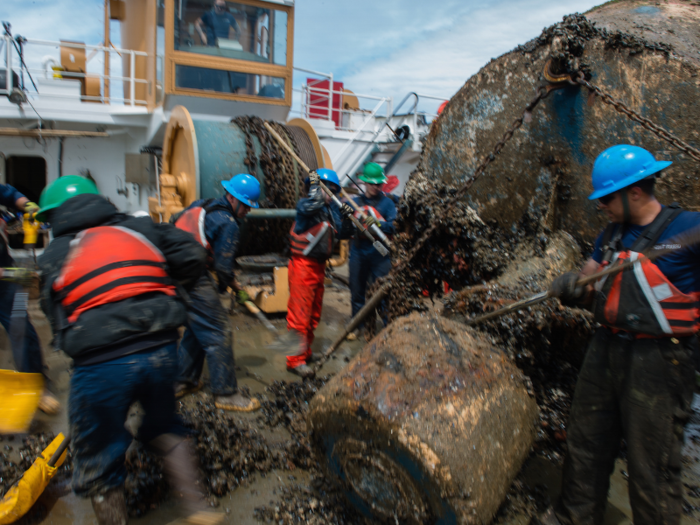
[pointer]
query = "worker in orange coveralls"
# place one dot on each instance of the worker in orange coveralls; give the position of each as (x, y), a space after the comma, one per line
(319, 222)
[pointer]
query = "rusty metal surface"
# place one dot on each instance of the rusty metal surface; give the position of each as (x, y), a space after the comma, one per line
(545, 170)
(428, 422)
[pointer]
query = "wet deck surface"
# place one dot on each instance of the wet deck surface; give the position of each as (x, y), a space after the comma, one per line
(59, 506)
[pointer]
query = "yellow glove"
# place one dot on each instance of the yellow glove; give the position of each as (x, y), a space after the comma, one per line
(31, 207)
(369, 221)
(242, 297)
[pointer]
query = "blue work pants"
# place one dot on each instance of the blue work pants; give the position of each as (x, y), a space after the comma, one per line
(366, 266)
(100, 397)
(208, 334)
(28, 358)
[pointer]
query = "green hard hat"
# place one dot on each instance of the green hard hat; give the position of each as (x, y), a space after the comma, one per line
(62, 189)
(373, 174)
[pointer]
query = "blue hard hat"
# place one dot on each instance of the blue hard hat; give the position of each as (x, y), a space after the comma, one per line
(327, 175)
(245, 188)
(621, 166)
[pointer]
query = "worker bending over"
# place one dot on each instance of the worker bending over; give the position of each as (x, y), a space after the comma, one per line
(110, 292)
(29, 358)
(637, 379)
(366, 263)
(214, 223)
(318, 223)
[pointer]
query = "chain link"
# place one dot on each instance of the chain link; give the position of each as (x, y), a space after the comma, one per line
(645, 122)
(542, 93)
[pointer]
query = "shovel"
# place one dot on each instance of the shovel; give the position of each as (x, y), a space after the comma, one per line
(22, 495)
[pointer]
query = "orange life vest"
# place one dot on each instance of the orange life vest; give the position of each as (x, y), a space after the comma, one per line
(640, 299)
(372, 212)
(192, 221)
(316, 242)
(107, 264)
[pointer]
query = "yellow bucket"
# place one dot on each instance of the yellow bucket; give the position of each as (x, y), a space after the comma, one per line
(19, 398)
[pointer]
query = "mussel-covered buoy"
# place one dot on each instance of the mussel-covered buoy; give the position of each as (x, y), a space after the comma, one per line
(428, 423)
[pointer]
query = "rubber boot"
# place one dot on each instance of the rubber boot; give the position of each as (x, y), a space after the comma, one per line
(236, 403)
(110, 507)
(303, 371)
(181, 468)
(548, 517)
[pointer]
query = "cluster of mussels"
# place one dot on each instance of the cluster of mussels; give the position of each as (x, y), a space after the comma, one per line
(320, 504)
(463, 250)
(546, 342)
(574, 31)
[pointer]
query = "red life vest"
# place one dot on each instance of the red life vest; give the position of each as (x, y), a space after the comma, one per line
(316, 242)
(372, 212)
(107, 264)
(192, 221)
(640, 299)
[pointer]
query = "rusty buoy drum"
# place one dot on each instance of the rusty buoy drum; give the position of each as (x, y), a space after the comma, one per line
(429, 422)
(545, 170)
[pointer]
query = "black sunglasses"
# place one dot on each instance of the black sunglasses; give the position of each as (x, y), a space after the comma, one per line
(606, 199)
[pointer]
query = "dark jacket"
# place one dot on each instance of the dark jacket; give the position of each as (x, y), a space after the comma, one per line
(313, 209)
(8, 197)
(387, 209)
(222, 231)
(131, 325)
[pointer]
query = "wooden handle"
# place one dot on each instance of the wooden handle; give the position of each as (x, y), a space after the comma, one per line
(59, 451)
(323, 186)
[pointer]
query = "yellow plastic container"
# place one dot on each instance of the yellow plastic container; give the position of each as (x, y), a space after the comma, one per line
(19, 398)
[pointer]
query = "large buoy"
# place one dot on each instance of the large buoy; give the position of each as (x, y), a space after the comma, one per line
(428, 423)
(544, 170)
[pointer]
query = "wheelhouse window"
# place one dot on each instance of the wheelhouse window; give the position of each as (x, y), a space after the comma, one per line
(223, 29)
(221, 81)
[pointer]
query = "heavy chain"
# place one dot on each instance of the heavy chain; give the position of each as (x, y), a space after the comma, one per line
(645, 122)
(542, 93)
(390, 280)
(278, 175)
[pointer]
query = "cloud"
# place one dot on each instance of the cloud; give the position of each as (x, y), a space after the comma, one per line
(439, 46)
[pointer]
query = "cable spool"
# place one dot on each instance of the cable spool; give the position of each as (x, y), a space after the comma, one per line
(199, 154)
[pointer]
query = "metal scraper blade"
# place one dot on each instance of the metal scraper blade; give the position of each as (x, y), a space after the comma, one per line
(380, 248)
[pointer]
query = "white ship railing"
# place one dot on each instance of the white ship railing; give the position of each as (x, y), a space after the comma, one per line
(35, 65)
(368, 126)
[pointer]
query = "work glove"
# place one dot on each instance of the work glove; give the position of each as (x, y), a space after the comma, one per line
(371, 221)
(21, 276)
(314, 179)
(565, 289)
(346, 210)
(242, 297)
(31, 207)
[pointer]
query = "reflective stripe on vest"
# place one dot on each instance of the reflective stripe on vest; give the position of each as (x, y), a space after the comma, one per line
(371, 211)
(192, 221)
(316, 242)
(642, 300)
(107, 264)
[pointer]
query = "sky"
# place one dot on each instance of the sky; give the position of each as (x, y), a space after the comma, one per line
(375, 47)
